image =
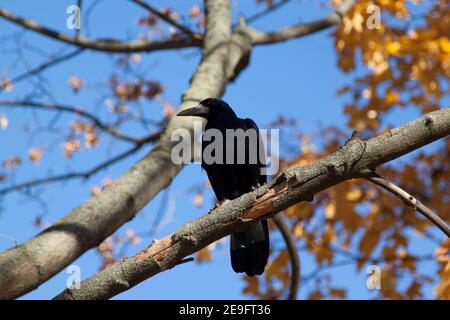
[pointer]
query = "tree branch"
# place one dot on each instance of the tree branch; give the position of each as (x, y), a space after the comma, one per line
(409, 200)
(45, 65)
(168, 19)
(295, 185)
(266, 11)
(293, 256)
(88, 225)
(72, 175)
(96, 121)
(107, 45)
(303, 29)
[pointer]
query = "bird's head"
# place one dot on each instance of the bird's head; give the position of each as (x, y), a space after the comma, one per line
(209, 108)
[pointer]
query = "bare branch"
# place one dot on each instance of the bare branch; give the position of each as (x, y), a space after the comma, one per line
(295, 185)
(293, 256)
(45, 65)
(303, 29)
(72, 175)
(266, 11)
(409, 200)
(167, 19)
(107, 45)
(96, 121)
(9, 238)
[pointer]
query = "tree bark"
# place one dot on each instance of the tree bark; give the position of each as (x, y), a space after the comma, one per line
(25, 267)
(224, 55)
(295, 185)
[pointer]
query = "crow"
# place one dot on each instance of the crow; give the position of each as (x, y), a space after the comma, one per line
(239, 173)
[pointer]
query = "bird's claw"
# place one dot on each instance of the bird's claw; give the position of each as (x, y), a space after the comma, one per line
(217, 205)
(253, 188)
(211, 209)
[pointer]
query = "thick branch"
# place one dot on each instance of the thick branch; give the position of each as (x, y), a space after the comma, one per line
(409, 200)
(293, 256)
(108, 45)
(32, 263)
(295, 185)
(303, 29)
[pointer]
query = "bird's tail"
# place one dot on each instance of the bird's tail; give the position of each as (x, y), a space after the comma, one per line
(250, 249)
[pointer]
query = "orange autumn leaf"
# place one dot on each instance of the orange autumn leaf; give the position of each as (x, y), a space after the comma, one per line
(369, 241)
(252, 286)
(35, 154)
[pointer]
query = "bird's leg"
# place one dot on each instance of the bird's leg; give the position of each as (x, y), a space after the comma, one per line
(256, 186)
(213, 208)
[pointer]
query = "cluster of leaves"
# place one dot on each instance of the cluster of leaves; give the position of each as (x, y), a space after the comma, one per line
(129, 91)
(406, 55)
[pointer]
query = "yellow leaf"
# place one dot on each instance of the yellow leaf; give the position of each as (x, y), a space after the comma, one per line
(304, 210)
(353, 195)
(393, 47)
(444, 43)
(299, 230)
(392, 97)
(330, 209)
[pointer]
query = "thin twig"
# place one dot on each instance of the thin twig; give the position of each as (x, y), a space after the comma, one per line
(167, 18)
(409, 200)
(9, 238)
(72, 175)
(301, 29)
(45, 65)
(293, 256)
(266, 11)
(68, 109)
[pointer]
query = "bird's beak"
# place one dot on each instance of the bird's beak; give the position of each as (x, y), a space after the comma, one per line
(198, 111)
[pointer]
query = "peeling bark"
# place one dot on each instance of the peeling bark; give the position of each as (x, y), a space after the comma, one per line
(295, 185)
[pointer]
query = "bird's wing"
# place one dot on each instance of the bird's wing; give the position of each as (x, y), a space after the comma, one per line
(257, 175)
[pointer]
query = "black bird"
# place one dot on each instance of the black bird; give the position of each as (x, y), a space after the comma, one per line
(249, 249)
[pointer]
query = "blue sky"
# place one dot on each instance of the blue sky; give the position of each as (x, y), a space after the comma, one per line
(298, 79)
